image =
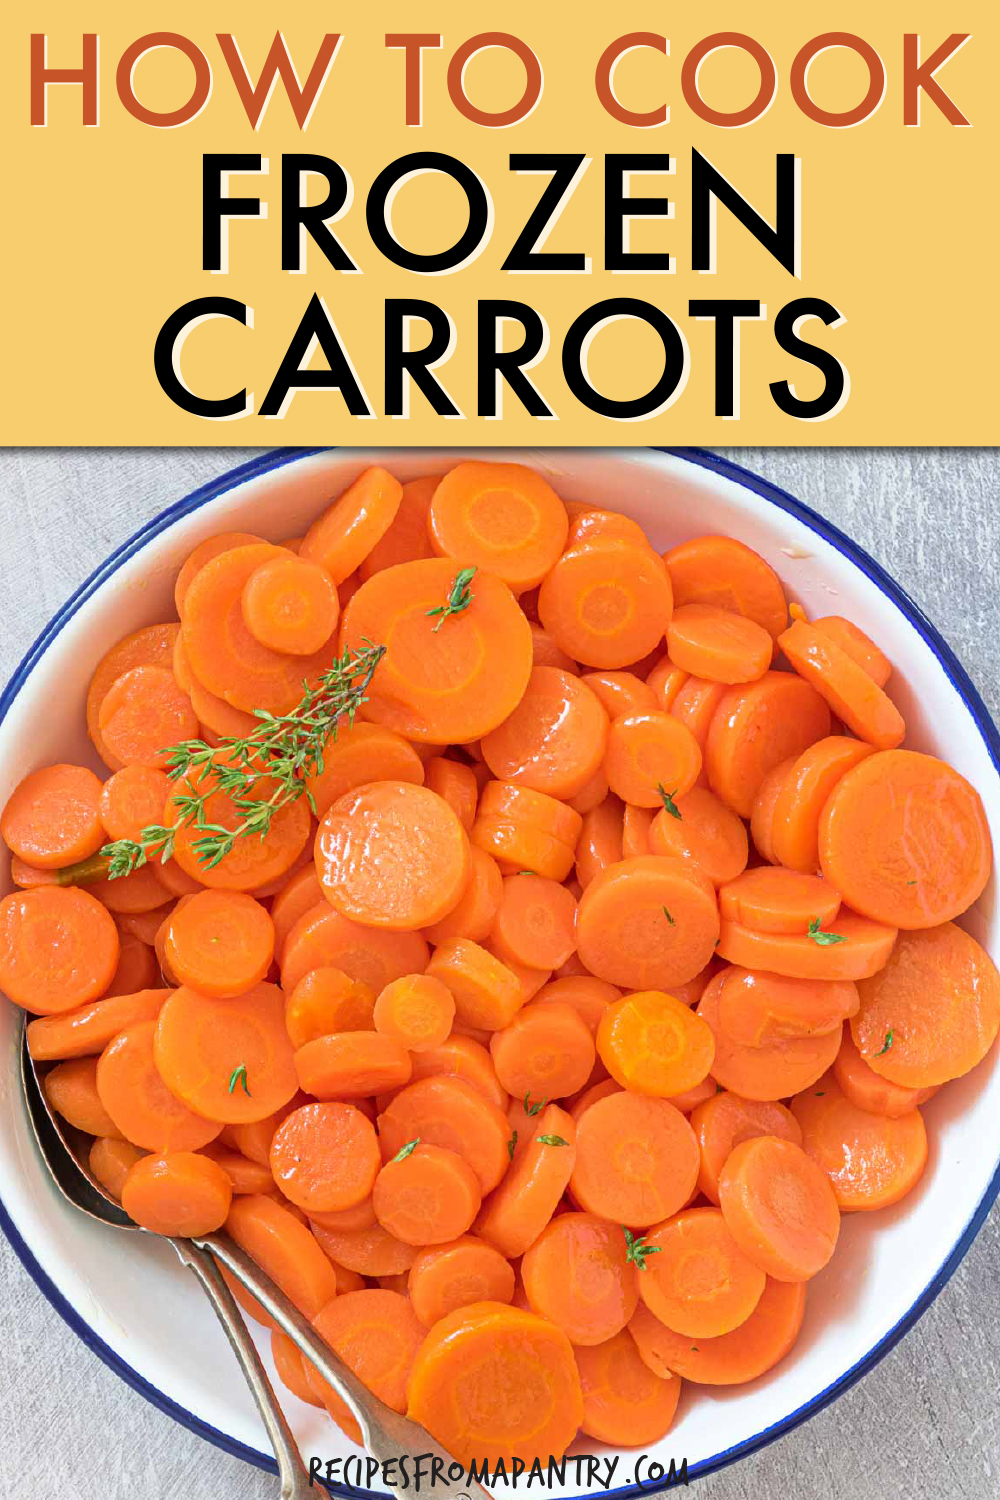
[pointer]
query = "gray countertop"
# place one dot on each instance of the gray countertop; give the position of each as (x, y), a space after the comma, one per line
(924, 1423)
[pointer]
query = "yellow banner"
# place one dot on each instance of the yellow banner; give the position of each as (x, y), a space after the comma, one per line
(516, 224)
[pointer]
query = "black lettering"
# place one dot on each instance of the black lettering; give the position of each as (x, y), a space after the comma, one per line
(297, 216)
(315, 330)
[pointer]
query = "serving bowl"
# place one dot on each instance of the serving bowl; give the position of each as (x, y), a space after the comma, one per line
(133, 1304)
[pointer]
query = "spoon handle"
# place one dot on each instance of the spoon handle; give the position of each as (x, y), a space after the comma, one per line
(291, 1470)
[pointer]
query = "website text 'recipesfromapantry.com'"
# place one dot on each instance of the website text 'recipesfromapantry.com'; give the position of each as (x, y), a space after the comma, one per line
(425, 1471)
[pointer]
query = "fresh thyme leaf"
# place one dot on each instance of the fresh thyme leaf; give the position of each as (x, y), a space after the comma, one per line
(824, 939)
(407, 1150)
(239, 1076)
(668, 800)
(533, 1109)
(820, 1093)
(911, 882)
(512, 1145)
(551, 1140)
(886, 1044)
(669, 917)
(636, 1249)
(460, 597)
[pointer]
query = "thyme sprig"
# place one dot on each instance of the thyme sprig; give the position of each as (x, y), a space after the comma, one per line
(460, 597)
(636, 1249)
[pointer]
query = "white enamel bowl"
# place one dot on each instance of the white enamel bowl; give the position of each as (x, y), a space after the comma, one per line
(129, 1299)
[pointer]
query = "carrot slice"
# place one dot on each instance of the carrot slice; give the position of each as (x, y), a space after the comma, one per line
(143, 925)
(461, 1057)
(648, 752)
(377, 1335)
(152, 646)
(426, 1195)
(131, 800)
(866, 1089)
(733, 1358)
(547, 1050)
(704, 831)
(447, 1111)
(610, 524)
(769, 899)
(323, 938)
(757, 726)
(555, 739)
(406, 539)
(934, 1010)
(647, 923)
(720, 571)
(58, 948)
(474, 913)
(760, 1178)
(251, 862)
(762, 816)
(758, 1008)
(371, 1251)
(726, 1120)
(245, 1176)
(253, 1138)
(535, 923)
(624, 1403)
(718, 644)
(327, 1000)
(801, 796)
(221, 943)
(325, 1157)
(290, 1368)
(361, 1216)
(230, 1060)
(360, 753)
(636, 1160)
(601, 840)
(606, 602)
(864, 949)
(87, 1031)
(623, 693)
(588, 996)
(71, 1090)
(138, 892)
(142, 714)
(284, 1249)
(904, 838)
(487, 992)
(496, 1383)
(351, 1065)
(696, 1278)
(851, 693)
(290, 604)
(143, 1108)
(110, 1161)
(651, 1043)
(212, 546)
(501, 517)
(515, 1214)
(456, 783)
(872, 1161)
(301, 893)
(527, 830)
(179, 1193)
(348, 529)
(859, 647)
(422, 866)
(544, 651)
(446, 680)
(137, 968)
(578, 1275)
(465, 1270)
(53, 817)
(771, 1071)
(416, 1011)
(665, 682)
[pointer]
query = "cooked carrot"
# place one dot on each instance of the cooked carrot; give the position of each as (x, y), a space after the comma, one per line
(212, 546)
(554, 741)
(377, 1334)
(801, 796)
(755, 727)
(138, 892)
(526, 829)
(88, 1030)
(591, 795)
(608, 524)
(131, 800)
(768, 899)
(253, 1138)
(290, 604)
(284, 1249)
(535, 924)
(606, 603)
(110, 1160)
(407, 538)
(461, 1057)
(866, 1089)
(457, 1274)
(517, 1211)
(58, 948)
(494, 1382)
(426, 1195)
(758, 1008)
(137, 968)
(720, 571)
(647, 923)
(601, 840)
(143, 925)
(456, 783)
(872, 1160)
(726, 1120)
(772, 1070)
(360, 1216)
(474, 913)
(623, 693)
(221, 943)
(696, 1279)
(934, 1010)
(691, 991)
(859, 647)
(544, 651)
(701, 829)
(143, 713)
(870, 852)
(217, 717)
(290, 1368)
(689, 1099)
(71, 1090)
(302, 892)
(718, 644)
(636, 823)
(446, 679)
(351, 1065)
(665, 682)
(53, 817)
(503, 518)
(324, 1001)
(371, 1251)
(251, 861)
(152, 646)
(648, 753)
(852, 694)
(733, 1358)
(447, 1111)
(651, 1043)
(348, 529)
(547, 1050)
(325, 1157)
(144, 1110)
(588, 996)
(487, 992)
(759, 1178)
(361, 753)
(578, 1274)
(323, 938)
(624, 1403)
(762, 816)
(416, 1011)
(594, 1092)
(230, 1060)
(862, 950)
(636, 1160)
(245, 1176)
(422, 865)
(178, 1193)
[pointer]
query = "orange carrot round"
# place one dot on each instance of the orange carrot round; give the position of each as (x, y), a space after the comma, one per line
(377, 1334)
(648, 753)
(665, 682)
(872, 1161)
(212, 546)
(588, 996)
(487, 992)
(327, 1000)
(606, 602)
(755, 727)
(758, 1008)
(284, 1249)
(323, 938)
(371, 1251)
(447, 1111)
(153, 646)
(426, 1195)
(456, 783)
(179, 1193)
(696, 1278)
(502, 517)
(718, 644)
(290, 604)
(720, 571)
(416, 1011)
(465, 1270)
(325, 1157)
(71, 1090)
(547, 1050)
(110, 1160)
(349, 528)
(88, 1030)
(230, 1060)
(517, 1211)
(701, 829)
(58, 948)
(535, 923)
(733, 1358)
(651, 1043)
(300, 893)
(624, 1403)
(773, 1070)
(474, 913)
(801, 796)
(251, 861)
(724, 1121)
(406, 539)
(53, 817)
(143, 713)
(852, 694)
(351, 1065)
(578, 1275)
(852, 947)
(555, 739)
(143, 1108)
(761, 1176)
(768, 899)
(527, 830)
(290, 1368)
(647, 923)
(636, 1160)
(461, 1057)
(360, 753)
(601, 840)
(858, 646)
(866, 1089)
(221, 943)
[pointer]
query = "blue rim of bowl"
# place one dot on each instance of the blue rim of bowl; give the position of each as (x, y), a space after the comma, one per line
(960, 680)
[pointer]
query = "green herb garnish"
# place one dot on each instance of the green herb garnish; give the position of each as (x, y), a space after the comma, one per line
(512, 1145)
(239, 1076)
(886, 1044)
(668, 800)
(407, 1150)
(551, 1140)
(533, 1109)
(669, 917)
(460, 597)
(824, 939)
(636, 1249)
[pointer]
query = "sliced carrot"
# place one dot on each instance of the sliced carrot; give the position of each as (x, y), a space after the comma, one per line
(623, 693)
(859, 647)
(652, 1043)
(327, 1000)
(71, 1090)
(474, 913)
(144, 1110)
(755, 727)
(143, 713)
(692, 990)
(594, 1092)
(724, 1121)
(461, 1057)
(87, 1031)
(351, 1065)
(447, 1111)
(253, 1138)
(416, 1011)
(515, 1214)
(494, 1382)
(934, 1010)
(535, 924)
(555, 739)
(758, 1008)
(377, 1335)
(131, 800)
(863, 949)
(446, 680)
(457, 1274)
(606, 603)
(58, 948)
(768, 899)
(323, 938)
(251, 862)
(763, 1175)
(624, 1403)
(854, 697)
(245, 1176)
(609, 524)
(802, 795)
(872, 1160)
(650, 752)
(588, 996)
(348, 529)
(718, 644)
(456, 783)
(647, 923)
(504, 518)
(762, 816)
(547, 1050)
(53, 817)
(217, 717)
(143, 925)
(221, 943)
(704, 831)
(578, 1275)
(487, 992)
(137, 968)
(325, 1157)
(302, 892)
(904, 839)
(138, 892)
(720, 571)
(407, 538)
(773, 1070)
(290, 604)
(372, 1251)
(179, 1193)
(696, 1279)
(636, 1160)
(867, 1089)
(110, 1160)
(212, 546)
(360, 753)
(290, 1368)
(361, 1216)
(230, 1060)
(426, 1195)
(153, 646)
(592, 795)
(544, 651)
(689, 1100)
(665, 682)
(601, 840)
(284, 1249)
(733, 1358)
(526, 829)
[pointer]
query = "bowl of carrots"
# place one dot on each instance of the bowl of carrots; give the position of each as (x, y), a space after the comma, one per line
(540, 906)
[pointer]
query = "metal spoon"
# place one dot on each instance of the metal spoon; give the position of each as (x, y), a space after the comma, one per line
(387, 1435)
